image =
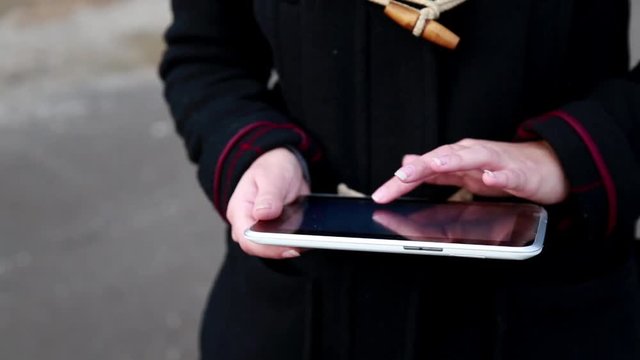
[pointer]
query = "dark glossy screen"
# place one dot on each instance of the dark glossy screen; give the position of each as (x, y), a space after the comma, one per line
(502, 224)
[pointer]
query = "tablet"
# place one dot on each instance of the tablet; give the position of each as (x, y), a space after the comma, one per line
(469, 229)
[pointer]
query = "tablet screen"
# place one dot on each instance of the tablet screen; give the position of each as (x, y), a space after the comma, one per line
(503, 224)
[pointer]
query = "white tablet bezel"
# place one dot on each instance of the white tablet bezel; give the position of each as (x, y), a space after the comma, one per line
(437, 248)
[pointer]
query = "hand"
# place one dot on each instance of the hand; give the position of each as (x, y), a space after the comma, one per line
(273, 180)
(528, 170)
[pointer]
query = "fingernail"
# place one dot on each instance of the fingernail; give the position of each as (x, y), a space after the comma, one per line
(378, 195)
(290, 254)
(263, 205)
(490, 173)
(440, 161)
(405, 172)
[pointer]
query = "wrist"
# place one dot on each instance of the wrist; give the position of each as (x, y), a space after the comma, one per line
(302, 162)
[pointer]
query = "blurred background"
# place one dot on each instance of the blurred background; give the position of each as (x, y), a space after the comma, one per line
(107, 246)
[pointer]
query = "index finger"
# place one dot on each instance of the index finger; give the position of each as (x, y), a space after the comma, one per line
(392, 189)
(406, 178)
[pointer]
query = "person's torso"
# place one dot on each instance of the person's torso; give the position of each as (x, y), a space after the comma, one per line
(371, 92)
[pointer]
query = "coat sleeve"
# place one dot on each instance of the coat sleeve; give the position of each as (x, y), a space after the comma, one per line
(597, 140)
(215, 71)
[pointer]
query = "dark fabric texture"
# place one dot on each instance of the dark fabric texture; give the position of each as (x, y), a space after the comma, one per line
(355, 93)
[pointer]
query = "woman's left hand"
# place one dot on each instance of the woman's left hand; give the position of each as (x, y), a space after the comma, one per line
(529, 170)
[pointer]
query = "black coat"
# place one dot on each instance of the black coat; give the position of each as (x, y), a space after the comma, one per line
(355, 93)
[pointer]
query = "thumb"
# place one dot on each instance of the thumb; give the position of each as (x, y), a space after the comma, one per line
(269, 199)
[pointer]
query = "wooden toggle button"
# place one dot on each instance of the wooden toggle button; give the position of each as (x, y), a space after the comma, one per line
(407, 17)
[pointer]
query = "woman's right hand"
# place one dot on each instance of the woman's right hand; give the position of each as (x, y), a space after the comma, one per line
(272, 181)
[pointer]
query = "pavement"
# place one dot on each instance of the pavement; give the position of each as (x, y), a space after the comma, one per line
(107, 246)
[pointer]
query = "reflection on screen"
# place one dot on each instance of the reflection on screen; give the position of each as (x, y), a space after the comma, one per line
(472, 223)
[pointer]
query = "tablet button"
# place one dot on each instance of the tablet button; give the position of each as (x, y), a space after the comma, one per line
(433, 249)
(437, 249)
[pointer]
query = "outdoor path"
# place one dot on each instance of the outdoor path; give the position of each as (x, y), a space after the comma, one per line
(107, 246)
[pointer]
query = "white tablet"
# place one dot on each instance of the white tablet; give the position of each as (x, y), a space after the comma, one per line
(473, 229)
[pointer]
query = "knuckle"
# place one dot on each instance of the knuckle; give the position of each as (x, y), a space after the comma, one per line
(467, 142)
(247, 248)
(518, 180)
(409, 158)
(450, 148)
(455, 160)
(236, 234)
(488, 153)
(484, 150)
(229, 213)
(259, 172)
(264, 195)
(421, 162)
